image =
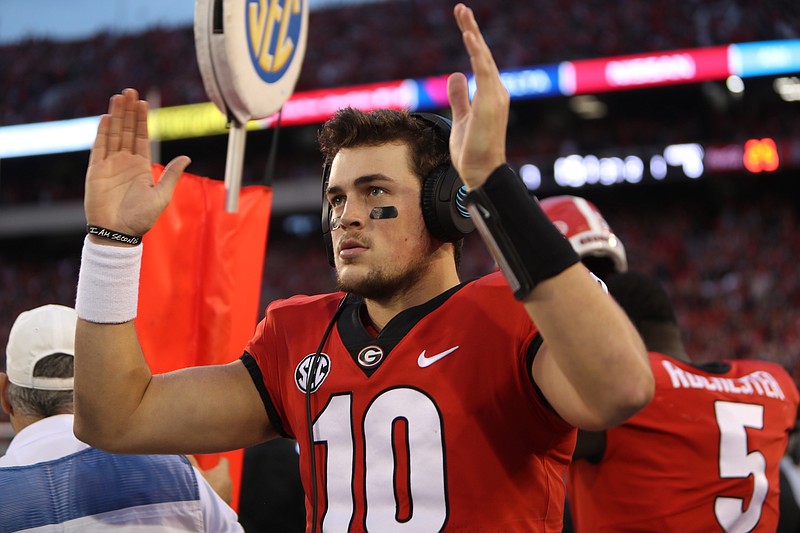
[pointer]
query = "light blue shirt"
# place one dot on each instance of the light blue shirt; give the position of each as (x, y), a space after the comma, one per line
(52, 481)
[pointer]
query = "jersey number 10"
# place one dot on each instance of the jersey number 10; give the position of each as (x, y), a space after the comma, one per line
(425, 477)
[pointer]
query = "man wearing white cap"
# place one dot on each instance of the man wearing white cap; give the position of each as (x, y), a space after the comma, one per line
(51, 481)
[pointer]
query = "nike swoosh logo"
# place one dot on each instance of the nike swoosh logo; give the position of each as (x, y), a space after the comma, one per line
(428, 361)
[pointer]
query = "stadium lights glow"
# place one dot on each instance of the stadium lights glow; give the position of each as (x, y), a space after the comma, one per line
(576, 170)
(48, 137)
(788, 88)
(735, 84)
(687, 156)
(588, 107)
(761, 155)
(531, 176)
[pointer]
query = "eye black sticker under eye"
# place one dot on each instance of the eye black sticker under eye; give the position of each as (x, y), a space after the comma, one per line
(378, 213)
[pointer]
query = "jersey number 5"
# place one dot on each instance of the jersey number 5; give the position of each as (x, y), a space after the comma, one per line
(736, 462)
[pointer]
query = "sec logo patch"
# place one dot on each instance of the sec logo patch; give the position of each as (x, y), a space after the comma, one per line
(302, 374)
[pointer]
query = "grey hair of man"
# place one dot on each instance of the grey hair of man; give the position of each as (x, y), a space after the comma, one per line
(44, 403)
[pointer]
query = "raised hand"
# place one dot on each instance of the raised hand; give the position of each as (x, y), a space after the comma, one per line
(120, 193)
(478, 137)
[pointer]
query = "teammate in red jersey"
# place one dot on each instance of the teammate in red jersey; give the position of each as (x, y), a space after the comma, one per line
(420, 403)
(590, 235)
(703, 456)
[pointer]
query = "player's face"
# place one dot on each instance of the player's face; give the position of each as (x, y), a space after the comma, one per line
(377, 258)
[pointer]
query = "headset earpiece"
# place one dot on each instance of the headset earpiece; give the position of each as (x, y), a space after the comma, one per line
(443, 207)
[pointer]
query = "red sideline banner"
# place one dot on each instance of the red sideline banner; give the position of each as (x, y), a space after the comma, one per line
(201, 282)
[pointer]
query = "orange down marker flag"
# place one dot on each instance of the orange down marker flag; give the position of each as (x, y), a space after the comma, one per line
(201, 282)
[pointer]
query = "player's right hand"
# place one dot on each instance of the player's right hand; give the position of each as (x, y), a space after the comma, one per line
(120, 192)
(478, 136)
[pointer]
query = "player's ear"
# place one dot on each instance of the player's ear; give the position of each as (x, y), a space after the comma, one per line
(4, 403)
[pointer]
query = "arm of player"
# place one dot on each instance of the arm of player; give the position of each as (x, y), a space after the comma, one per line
(119, 405)
(121, 408)
(592, 367)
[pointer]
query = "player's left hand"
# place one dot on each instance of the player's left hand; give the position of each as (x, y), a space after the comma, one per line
(218, 477)
(478, 137)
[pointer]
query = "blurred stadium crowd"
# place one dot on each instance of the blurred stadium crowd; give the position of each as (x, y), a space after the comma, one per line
(728, 255)
(42, 80)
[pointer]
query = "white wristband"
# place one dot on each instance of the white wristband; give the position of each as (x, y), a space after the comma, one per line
(108, 283)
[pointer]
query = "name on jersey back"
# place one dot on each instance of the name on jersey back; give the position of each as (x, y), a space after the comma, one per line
(758, 383)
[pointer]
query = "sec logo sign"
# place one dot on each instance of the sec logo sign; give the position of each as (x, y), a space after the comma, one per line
(273, 33)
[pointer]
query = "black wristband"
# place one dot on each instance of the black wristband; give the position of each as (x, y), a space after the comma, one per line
(524, 242)
(113, 235)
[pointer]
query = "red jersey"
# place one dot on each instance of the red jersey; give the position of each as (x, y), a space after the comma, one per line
(703, 456)
(434, 424)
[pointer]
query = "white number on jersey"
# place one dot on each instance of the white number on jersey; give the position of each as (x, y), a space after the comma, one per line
(426, 470)
(736, 462)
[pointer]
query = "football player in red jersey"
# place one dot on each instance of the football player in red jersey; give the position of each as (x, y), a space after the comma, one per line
(600, 250)
(420, 403)
(703, 456)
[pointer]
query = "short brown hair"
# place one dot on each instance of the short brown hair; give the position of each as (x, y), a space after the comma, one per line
(350, 128)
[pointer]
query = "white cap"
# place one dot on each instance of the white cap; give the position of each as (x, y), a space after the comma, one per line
(37, 333)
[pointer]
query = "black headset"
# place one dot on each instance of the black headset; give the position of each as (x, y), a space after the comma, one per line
(443, 196)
